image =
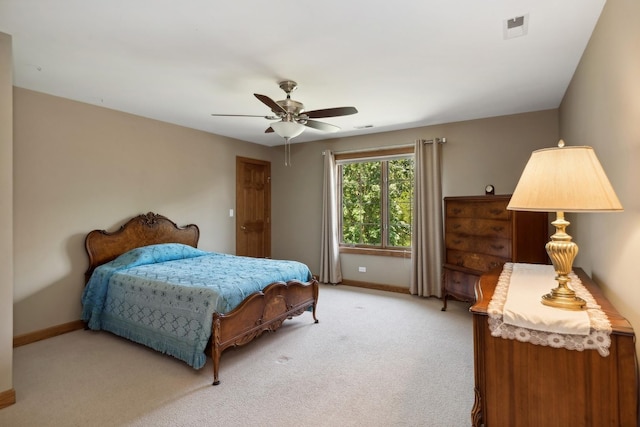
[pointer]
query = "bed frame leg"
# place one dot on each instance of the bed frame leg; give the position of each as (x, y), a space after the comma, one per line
(315, 299)
(216, 365)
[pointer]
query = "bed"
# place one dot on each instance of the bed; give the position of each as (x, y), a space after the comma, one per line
(148, 282)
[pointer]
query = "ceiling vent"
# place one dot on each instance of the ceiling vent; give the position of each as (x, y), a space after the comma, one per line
(515, 27)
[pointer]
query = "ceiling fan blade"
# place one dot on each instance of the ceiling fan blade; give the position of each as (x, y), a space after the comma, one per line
(330, 112)
(325, 127)
(246, 115)
(275, 107)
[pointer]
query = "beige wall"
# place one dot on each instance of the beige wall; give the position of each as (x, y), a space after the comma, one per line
(6, 215)
(602, 109)
(79, 167)
(477, 152)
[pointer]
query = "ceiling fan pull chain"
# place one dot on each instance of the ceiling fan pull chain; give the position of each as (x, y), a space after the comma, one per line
(287, 152)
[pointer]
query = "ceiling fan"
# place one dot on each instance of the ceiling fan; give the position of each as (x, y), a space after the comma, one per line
(292, 115)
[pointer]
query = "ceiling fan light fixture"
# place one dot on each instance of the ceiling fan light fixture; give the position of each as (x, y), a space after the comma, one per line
(287, 129)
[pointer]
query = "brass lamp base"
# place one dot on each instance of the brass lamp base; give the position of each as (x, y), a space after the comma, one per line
(562, 252)
(568, 302)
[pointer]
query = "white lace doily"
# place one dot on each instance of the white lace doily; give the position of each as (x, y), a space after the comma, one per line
(598, 338)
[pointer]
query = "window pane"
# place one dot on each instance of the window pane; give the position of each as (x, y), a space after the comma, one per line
(400, 203)
(377, 203)
(361, 202)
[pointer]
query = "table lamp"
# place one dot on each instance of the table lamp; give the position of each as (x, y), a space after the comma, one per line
(563, 179)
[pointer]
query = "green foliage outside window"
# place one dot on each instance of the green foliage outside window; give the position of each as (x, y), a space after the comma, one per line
(377, 202)
(361, 203)
(400, 188)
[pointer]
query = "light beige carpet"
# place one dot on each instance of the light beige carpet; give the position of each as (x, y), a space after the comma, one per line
(375, 359)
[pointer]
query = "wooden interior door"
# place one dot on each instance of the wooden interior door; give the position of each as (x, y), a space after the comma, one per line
(253, 208)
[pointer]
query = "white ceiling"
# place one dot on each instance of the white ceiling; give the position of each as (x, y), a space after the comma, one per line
(401, 63)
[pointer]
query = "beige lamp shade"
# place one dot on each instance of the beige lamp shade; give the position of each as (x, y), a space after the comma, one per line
(566, 179)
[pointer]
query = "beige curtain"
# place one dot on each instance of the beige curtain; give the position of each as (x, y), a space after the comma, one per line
(330, 271)
(427, 247)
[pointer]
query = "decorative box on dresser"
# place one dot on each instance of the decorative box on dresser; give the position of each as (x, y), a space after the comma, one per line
(522, 384)
(481, 234)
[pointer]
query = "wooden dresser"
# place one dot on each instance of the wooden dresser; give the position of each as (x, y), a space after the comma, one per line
(481, 234)
(519, 384)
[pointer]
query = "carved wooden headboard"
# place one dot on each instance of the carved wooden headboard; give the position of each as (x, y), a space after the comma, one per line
(142, 230)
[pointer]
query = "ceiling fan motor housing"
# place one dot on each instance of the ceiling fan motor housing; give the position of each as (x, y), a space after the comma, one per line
(291, 106)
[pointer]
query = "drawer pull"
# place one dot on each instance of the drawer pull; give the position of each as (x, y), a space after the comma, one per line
(497, 229)
(497, 247)
(457, 241)
(495, 211)
(456, 210)
(456, 226)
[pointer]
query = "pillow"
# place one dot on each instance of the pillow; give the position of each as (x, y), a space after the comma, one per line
(156, 253)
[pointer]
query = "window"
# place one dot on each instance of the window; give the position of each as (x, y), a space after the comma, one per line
(376, 201)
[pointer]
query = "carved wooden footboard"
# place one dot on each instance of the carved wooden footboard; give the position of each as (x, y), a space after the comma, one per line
(259, 312)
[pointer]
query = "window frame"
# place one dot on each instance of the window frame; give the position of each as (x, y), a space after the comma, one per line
(372, 156)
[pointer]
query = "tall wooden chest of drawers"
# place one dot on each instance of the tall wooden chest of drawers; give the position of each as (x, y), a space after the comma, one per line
(481, 234)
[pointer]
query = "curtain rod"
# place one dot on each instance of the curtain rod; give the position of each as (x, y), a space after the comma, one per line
(388, 147)
(438, 140)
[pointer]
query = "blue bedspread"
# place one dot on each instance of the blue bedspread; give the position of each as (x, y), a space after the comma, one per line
(164, 296)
